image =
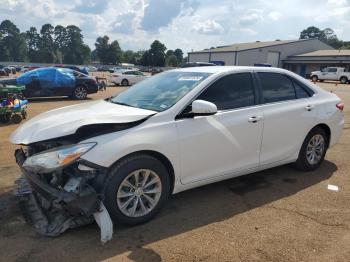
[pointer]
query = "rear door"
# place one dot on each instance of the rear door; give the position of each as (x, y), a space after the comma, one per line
(288, 116)
(139, 76)
(227, 142)
(332, 73)
(130, 75)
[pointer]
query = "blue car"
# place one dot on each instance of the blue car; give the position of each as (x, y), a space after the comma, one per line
(51, 81)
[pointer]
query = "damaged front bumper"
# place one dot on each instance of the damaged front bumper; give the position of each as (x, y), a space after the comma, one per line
(54, 209)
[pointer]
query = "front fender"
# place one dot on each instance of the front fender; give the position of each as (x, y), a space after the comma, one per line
(161, 138)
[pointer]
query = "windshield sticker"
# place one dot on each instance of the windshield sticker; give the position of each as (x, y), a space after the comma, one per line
(190, 78)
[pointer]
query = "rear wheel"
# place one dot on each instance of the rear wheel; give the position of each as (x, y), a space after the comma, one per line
(80, 93)
(343, 80)
(313, 150)
(125, 82)
(314, 78)
(16, 118)
(137, 189)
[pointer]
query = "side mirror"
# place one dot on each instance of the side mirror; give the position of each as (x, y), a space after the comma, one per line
(203, 108)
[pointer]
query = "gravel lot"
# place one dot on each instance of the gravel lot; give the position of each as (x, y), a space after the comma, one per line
(276, 215)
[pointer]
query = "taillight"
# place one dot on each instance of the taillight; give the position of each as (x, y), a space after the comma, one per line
(340, 106)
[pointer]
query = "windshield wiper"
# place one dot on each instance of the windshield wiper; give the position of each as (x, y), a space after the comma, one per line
(121, 103)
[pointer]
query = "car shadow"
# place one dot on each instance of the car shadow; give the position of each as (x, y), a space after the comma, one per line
(184, 212)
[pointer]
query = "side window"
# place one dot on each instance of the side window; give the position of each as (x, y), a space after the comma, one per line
(229, 92)
(276, 87)
(300, 91)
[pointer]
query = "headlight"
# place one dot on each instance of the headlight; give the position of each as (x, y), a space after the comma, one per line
(59, 157)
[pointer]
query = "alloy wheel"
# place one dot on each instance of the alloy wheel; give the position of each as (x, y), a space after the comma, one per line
(315, 149)
(139, 193)
(80, 92)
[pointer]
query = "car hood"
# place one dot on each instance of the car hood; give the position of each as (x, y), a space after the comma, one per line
(66, 120)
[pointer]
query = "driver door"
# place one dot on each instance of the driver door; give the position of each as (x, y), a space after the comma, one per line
(227, 142)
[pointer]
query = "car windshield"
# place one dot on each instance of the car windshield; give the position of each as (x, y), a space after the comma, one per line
(160, 92)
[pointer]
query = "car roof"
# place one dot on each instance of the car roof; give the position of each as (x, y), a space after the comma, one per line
(223, 69)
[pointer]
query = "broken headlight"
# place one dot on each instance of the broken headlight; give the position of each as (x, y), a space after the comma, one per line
(47, 161)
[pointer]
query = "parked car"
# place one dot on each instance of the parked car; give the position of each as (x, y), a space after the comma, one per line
(331, 73)
(51, 81)
(3, 72)
(103, 69)
(126, 78)
(92, 68)
(177, 130)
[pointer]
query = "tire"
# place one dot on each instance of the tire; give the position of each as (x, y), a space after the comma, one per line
(125, 82)
(80, 93)
(343, 80)
(118, 193)
(304, 162)
(16, 118)
(314, 78)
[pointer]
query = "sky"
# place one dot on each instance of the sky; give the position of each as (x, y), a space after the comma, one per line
(186, 24)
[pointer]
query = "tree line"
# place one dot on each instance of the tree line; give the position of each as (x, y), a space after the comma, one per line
(326, 35)
(65, 45)
(59, 44)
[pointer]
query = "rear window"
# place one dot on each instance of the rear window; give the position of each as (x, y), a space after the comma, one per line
(276, 87)
(301, 91)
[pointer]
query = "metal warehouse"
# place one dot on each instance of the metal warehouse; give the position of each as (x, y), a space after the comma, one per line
(300, 56)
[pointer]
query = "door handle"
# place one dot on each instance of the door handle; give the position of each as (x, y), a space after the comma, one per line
(309, 107)
(255, 119)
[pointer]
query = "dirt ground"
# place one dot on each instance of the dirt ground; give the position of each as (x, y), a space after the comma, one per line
(276, 215)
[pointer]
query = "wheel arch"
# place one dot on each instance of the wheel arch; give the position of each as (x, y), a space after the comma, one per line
(325, 128)
(159, 156)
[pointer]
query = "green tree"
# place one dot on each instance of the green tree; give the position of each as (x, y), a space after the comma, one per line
(312, 32)
(172, 61)
(108, 53)
(114, 53)
(157, 52)
(326, 35)
(179, 55)
(74, 50)
(169, 53)
(33, 44)
(155, 56)
(60, 42)
(12, 43)
(47, 47)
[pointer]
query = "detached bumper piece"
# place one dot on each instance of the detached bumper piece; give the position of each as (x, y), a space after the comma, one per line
(52, 216)
(53, 210)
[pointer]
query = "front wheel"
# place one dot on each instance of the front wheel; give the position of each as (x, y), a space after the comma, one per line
(313, 150)
(314, 78)
(137, 189)
(80, 93)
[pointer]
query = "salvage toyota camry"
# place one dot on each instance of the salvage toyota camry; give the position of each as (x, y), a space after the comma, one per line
(178, 130)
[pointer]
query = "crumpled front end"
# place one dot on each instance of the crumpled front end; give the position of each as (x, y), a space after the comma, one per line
(64, 198)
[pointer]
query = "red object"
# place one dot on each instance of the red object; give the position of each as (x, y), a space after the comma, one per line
(340, 106)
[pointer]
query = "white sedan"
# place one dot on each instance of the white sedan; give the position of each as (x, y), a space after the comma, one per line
(177, 130)
(128, 77)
